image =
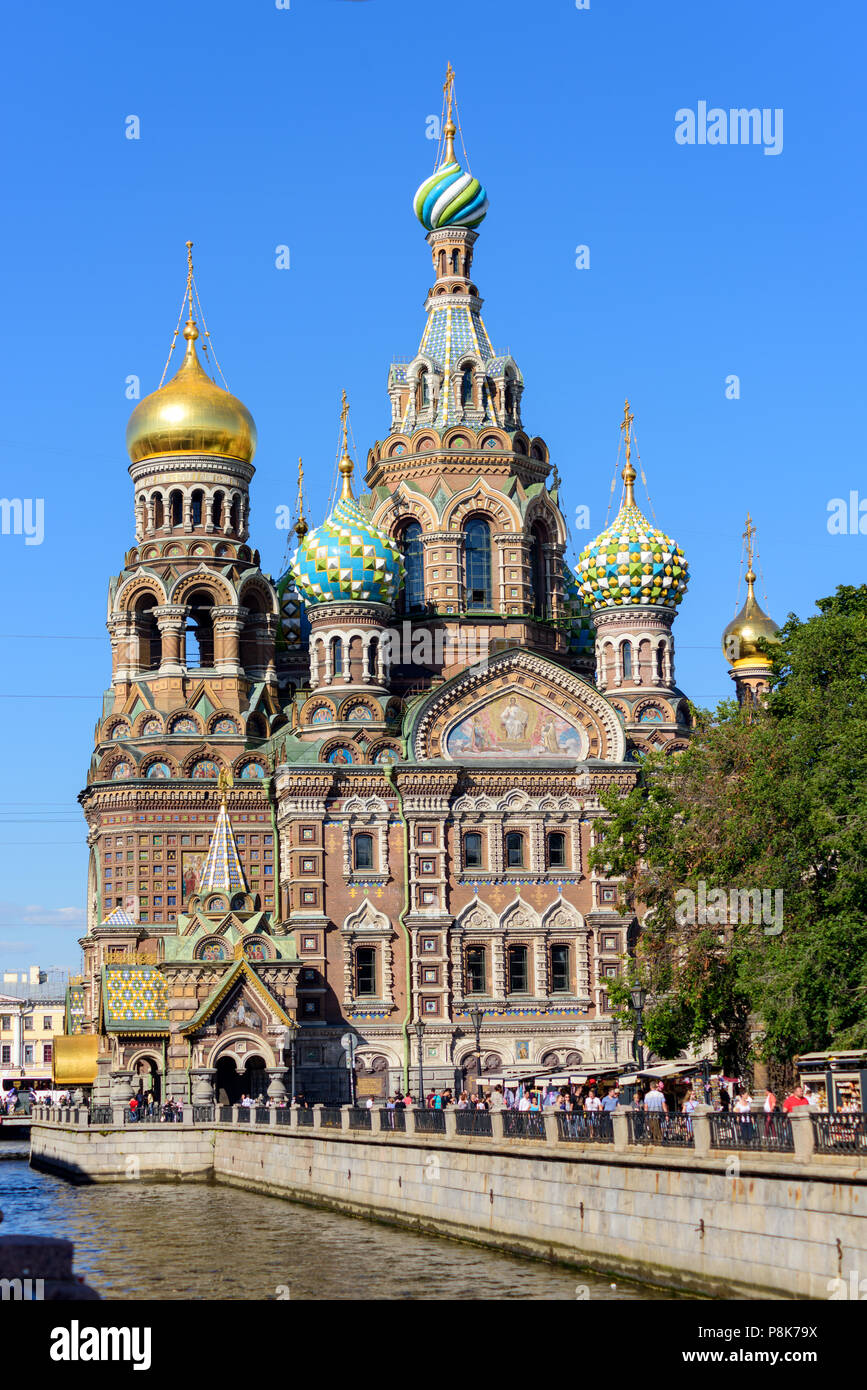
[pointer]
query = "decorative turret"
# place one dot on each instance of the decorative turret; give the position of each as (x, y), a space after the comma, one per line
(750, 666)
(632, 577)
(450, 197)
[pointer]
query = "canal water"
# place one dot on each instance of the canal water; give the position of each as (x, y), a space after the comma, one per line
(207, 1241)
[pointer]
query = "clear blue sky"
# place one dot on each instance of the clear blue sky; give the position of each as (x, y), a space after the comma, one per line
(306, 127)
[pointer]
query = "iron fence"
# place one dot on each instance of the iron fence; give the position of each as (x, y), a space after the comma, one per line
(585, 1126)
(473, 1122)
(243, 1114)
(305, 1118)
(654, 1127)
(523, 1124)
(772, 1133)
(262, 1115)
(284, 1115)
(842, 1133)
(359, 1117)
(331, 1117)
(100, 1114)
(225, 1114)
(430, 1122)
(394, 1118)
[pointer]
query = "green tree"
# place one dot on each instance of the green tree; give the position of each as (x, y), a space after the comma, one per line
(772, 799)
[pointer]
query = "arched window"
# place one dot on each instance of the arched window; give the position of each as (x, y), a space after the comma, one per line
(336, 657)
(477, 561)
(176, 509)
(159, 515)
(200, 630)
(150, 647)
(627, 661)
(197, 507)
(539, 569)
(660, 662)
(466, 386)
(472, 850)
(423, 388)
(235, 516)
(556, 849)
(514, 850)
(456, 262)
(362, 852)
(217, 511)
(413, 559)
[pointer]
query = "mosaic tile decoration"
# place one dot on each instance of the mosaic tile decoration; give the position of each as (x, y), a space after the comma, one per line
(294, 627)
(347, 557)
(119, 918)
(221, 871)
(579, 618)
(134, 995)
(75, 1009)
(632, 562)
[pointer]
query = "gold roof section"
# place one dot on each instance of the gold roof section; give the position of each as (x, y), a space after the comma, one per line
(74, 1059)
(740, 639)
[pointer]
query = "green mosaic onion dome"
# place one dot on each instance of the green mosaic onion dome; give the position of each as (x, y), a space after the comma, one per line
(579, 619)
(632, 562)
(450, 198)
(347, 557)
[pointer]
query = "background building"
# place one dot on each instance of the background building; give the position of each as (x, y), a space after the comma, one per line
(32, 1013)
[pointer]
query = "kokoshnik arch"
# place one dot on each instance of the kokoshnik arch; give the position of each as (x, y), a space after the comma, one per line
(289, 828)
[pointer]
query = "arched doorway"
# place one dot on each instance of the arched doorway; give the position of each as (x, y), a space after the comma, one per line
(146, 1077)
(255, 1079)
(227, 1082)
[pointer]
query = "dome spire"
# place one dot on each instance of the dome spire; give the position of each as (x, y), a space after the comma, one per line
(346, 465)
(450, 197)
(301, 528)
(629, 473)
(450, 129)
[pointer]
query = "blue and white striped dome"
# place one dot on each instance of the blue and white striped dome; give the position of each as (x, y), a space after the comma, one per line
(450, 198)
(347, 557)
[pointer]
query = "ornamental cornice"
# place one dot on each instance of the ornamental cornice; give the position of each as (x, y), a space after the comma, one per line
(639, 617)
(191, 467)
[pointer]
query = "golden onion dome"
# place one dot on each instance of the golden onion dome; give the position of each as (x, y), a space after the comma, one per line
(191, 414)
(740, 639)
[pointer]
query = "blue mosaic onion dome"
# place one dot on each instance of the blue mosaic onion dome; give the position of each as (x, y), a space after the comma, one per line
(632, 562)
(579, 618)
(450, 197)
(347, 557)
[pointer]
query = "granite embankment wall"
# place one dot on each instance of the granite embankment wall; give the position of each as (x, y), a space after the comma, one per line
(748, 1225)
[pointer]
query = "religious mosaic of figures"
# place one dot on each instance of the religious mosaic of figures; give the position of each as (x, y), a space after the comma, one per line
(515, 726)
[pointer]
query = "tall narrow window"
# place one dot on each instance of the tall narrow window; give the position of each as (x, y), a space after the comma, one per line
(176, 509)
(519, 979)
(424, 388)
(200, 631)
(627, 661)
(365, 970)
(196, 504)
(561, 980)
(539, 569)
(556, 849)
(159, 514)
(476, 972)
(413, 560)
(660, 660)
(472, 850)
(217, 511)
(514, 850)
(477, 545)
(467, 386)
(362, 852)
(336, 657)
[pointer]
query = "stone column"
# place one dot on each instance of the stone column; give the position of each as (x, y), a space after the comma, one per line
(121, 1087)
(701, 1130)
(228, 626)
(276, 1085)
(124, 654)
(102, 1084)
(451, 1122)
(171, 621)
(317, 1116)
(803, 1134)
(620, 1125)
(497, 1125)
(552, 1127)
(203, 1085)
(410, 1118)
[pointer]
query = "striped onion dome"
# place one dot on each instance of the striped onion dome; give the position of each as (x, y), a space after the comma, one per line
(450, 198)
(347, 557)
(632, 562)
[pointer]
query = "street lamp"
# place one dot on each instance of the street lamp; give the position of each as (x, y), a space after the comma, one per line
(419, 1032)
(638, 995)
(290, 1034)
(615, 1030)
(476, 1016)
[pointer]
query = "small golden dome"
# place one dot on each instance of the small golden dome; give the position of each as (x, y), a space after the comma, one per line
(740, 638)
(191, 415)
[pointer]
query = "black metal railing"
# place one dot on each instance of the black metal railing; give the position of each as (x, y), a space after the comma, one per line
(842, 1133)
(284, 1115)
(331, 1117)
(394, 1118)
(585, 1126)
(359, 1117)
(773, 1133)
(430, 1122)
(244, 1114)
(654, 1127)
(100, 1114)
(523, 1124)
(262, 1115)
(473, 1122)
(225, 1114)
(305, 1118)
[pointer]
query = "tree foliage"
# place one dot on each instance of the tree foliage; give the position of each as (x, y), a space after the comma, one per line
(772, 799)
